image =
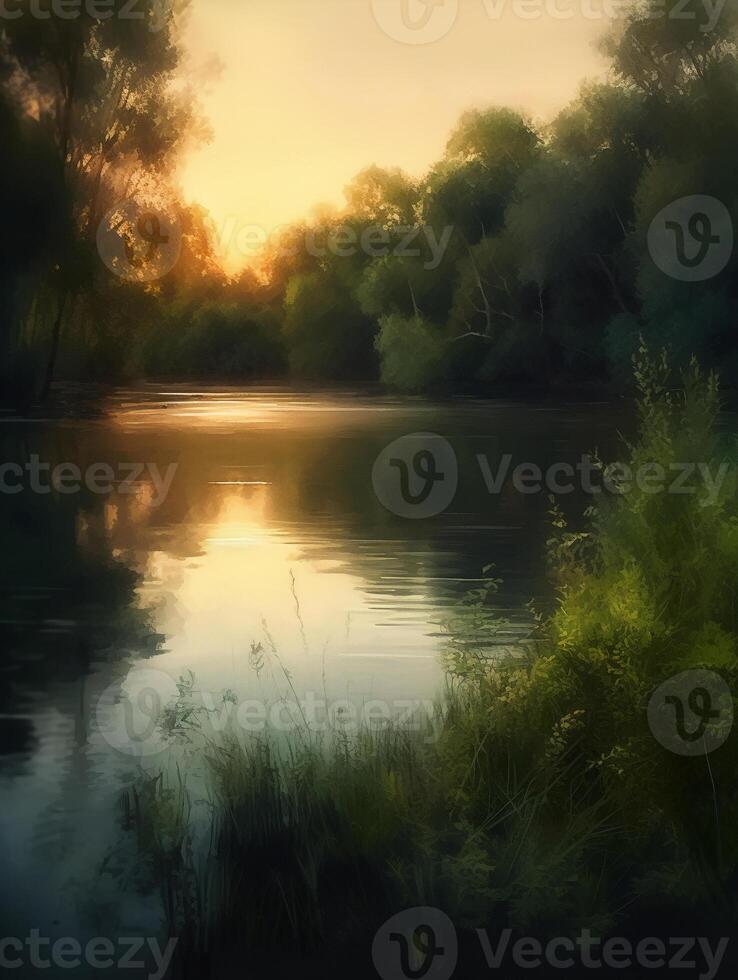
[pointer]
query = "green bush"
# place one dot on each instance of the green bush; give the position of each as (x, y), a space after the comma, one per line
(413, 353)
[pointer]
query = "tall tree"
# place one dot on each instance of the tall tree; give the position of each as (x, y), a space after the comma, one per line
(103, 89)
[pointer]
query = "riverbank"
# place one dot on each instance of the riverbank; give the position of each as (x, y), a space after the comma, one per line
(560, 792)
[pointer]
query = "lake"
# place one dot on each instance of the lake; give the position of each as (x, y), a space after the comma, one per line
(268, 567)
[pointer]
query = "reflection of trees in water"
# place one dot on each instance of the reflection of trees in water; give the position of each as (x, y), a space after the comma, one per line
(69, 626)
(318, 470)
(320, 494)
(68, 576)
(65, 599)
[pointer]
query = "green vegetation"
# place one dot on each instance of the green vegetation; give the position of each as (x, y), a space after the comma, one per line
(529, 265)
(543, 801)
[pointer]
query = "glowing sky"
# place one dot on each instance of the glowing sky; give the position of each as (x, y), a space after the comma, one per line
(311, 91)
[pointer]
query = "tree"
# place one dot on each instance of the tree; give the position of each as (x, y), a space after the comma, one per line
(472, 186)
(101, 90)
(413, 353)
(36, 224)
(326, 337)
(382, 197)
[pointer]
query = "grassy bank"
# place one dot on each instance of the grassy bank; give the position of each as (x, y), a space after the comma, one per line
(544, 802)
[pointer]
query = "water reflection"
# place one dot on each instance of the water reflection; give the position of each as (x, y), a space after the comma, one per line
(270, 532)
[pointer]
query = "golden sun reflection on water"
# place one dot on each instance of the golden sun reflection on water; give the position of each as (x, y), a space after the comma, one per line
(251, 582)
(208, 409)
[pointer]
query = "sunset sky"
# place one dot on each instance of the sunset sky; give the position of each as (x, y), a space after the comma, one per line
(302, 94)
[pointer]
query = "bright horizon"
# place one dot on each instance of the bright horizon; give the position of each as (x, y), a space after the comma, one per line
(310, 92)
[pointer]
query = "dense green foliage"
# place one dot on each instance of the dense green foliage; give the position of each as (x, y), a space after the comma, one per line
(520, 258)
(542, 800)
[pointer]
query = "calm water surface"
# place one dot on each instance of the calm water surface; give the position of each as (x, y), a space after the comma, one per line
(270, 534)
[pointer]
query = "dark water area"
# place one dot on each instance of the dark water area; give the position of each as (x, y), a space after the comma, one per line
(237, 517)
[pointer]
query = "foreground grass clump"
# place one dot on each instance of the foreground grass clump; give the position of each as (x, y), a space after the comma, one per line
(544, 802)
(648, 591)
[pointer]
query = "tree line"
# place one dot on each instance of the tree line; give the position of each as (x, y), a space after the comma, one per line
(531, 265)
